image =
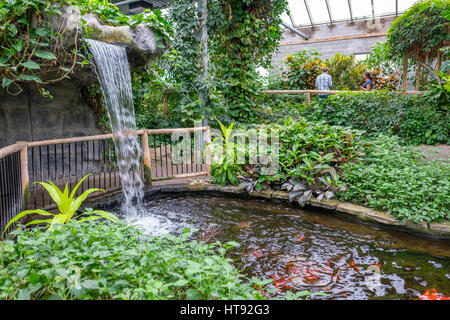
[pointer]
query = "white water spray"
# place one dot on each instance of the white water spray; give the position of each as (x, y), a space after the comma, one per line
(115, 80)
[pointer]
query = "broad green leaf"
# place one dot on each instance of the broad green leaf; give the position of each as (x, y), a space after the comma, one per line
(24, 213)
(105, 215)
(26, 77)
(6, 82)
(180, 283)
(42, 31)
(54, 194)
(45, 55)
(75, 205)
(18, 46)
(90, 284)
(30, 64)
(48, 221)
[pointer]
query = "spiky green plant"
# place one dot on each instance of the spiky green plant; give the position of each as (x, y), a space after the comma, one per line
(67, 205)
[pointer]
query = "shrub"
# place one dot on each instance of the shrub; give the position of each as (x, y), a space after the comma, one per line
(417, 119)
(303, 69)
(310, 159)
(395, 179)
(345, 72)
(115, 261)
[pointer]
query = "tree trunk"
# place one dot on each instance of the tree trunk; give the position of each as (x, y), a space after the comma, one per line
(405, 72)
(418, 71)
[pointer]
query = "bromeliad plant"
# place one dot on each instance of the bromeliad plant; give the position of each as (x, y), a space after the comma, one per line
(67, 206)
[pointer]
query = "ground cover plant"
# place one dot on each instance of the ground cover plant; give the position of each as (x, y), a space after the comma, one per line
(416, 119)
(102, 260)
(397, 180)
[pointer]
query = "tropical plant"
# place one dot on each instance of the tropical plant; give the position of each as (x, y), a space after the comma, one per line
(310, 159)
(224, 169)
(345, 71)
(67, 205)
(303, 69)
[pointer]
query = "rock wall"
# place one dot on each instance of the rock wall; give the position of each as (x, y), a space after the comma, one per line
(32, 117)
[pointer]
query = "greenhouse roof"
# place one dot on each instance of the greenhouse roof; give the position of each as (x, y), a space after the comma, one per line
(307, 13)
(137, 6)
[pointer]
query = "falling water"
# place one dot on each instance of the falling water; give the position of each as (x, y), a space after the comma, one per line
(115, 80)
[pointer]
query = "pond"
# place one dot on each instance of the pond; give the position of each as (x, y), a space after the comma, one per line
(309, 250)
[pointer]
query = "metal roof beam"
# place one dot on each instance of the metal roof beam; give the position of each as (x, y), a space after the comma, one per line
(329, 11)
(122, 3)
(373, 10)
(303, 35)
(351, 11)
(290, 16)
(309, 12)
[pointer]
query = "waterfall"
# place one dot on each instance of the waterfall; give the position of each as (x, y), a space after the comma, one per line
(114, 74)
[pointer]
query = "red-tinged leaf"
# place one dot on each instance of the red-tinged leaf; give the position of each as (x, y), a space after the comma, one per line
(257, 253)
(300, 239)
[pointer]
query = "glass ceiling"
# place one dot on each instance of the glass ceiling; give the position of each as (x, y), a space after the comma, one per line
(311, 12)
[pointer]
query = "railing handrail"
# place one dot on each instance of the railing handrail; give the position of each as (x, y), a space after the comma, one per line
(332, 92)
(108, 136)
(6, 151)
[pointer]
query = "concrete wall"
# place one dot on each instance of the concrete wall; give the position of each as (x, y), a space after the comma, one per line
(344, 37)
(31, 117)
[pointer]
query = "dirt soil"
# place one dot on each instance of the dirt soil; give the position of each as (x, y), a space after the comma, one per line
(441, 152)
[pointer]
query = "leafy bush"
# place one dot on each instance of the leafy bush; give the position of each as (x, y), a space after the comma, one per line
(419, 32)
(115, 261)
(417, 119)
(345, 71)
(303, 69)
(395, 179)
(310, 159)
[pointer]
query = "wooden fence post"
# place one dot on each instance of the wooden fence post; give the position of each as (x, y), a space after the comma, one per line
(24, 166)
(308, 98)
(147, 160)
(208, 151)
(405, 72)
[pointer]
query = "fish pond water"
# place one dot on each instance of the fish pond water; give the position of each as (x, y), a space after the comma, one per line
(309, 250)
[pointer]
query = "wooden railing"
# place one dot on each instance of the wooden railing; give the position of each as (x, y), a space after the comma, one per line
(13, 179)
(308, 93)
(68, 160)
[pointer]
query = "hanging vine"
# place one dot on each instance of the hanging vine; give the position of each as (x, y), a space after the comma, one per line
(33, 39)
(420, 34)
(243, 35)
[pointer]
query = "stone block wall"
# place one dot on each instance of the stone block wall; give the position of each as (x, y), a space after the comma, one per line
(31, 117)
(343, 37)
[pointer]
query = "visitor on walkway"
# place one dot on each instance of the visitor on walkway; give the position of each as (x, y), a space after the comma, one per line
(323, 82)
(368, 85)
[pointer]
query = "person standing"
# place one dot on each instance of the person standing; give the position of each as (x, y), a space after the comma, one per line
(324, 82)
(368, 84)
